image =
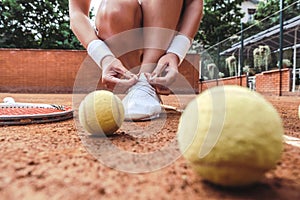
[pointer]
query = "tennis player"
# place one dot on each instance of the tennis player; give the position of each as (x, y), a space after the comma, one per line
(164, 30)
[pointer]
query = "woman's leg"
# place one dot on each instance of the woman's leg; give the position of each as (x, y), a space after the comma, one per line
(162, 17)
(116, 23)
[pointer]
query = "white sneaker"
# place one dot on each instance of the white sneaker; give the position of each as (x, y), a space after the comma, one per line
(141, 102)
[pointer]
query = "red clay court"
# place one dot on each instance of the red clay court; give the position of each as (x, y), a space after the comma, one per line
(48, 161)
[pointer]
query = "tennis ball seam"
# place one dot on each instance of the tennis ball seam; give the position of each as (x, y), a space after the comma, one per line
(85, 116)
(103, 123)
(116, 119)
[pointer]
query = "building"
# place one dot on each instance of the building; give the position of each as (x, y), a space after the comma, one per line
(249, 8)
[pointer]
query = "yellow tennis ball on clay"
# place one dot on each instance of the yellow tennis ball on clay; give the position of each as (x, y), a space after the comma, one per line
(101, 112)
(231, 136)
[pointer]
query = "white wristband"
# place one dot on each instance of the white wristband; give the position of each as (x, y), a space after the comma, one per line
(180, 45)
(98, 50)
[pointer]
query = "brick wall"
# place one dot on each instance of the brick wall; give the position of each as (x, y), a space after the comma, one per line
(56, 71)
(269, 82)
(38, 70)
(236, 80)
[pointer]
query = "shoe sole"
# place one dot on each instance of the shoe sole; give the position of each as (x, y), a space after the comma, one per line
(148, 118)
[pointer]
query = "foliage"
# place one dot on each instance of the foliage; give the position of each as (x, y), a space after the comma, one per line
(36, 24)
(269, 9)
(267, 14)
(45, 23)
(221, 20)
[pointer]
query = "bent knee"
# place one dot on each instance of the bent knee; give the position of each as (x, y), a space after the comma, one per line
(115, 16)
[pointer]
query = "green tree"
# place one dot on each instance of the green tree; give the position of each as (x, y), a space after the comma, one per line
(221, 20)
(36, 24)
(267, 14)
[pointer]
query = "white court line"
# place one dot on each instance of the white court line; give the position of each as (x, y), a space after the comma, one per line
(292, 140)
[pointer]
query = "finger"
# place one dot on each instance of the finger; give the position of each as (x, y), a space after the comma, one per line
(168, 79)
(159, 80)
(125, 72)
(130, 75)
(117, 84)
(153, 77)
(148, 76)
(158, 70)
(126, 83)
(116, 80)
(110, 79)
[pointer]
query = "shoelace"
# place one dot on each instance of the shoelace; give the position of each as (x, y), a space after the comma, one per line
(144, 86)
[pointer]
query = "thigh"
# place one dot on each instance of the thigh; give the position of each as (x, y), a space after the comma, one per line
(164, 13)
(114, 20)
(115, 16)
(160, 20)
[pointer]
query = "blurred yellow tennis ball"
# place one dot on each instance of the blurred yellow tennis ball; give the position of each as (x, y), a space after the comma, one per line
(101, 112)
(231, 136)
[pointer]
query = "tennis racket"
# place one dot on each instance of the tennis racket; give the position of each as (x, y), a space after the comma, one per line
(12, 113)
